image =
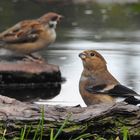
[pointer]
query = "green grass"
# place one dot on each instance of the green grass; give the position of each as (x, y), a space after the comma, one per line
(60, 129)
(125, 134)
(3, 137)
(23, 131)
(40, 126)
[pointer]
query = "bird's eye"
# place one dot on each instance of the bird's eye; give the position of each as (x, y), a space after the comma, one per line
(92, 54)
(54, 18)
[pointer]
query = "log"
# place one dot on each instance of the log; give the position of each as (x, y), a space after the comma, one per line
(102, 120)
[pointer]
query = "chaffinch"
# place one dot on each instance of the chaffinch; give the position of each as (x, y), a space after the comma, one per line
(97, 84)
(29, 36)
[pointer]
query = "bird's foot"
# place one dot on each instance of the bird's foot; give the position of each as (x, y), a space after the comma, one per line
(34, 58)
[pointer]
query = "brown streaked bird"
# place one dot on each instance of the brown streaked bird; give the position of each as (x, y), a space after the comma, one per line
(97, 84)
(29, 36)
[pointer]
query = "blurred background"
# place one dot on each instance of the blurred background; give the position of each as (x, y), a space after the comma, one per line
(111, 27)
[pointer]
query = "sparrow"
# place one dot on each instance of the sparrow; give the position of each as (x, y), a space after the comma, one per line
(29, 36)
(98, 85)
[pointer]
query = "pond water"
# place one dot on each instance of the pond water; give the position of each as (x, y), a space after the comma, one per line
(110, 28)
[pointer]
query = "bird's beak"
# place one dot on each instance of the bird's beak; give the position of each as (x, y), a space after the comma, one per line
(60, 17)
(82, 56)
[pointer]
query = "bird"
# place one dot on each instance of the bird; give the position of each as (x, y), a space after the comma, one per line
(32, 35)
(97, 85)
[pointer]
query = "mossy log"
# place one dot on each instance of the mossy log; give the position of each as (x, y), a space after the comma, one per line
(104, 120)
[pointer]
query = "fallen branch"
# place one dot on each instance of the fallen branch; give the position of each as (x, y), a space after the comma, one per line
(106, 120)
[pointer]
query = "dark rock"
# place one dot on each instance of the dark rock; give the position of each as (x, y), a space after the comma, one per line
(28, 72)
(26, 80)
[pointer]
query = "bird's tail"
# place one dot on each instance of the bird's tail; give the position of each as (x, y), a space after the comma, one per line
(132, 100)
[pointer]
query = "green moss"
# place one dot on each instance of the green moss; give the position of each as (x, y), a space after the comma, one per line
(74, 128)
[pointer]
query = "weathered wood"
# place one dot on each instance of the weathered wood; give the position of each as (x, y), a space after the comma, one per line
(106, 120)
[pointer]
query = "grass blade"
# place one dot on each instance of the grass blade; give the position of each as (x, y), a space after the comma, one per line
(3, 137)
(51, 135)
(62, 126)
(23, 133)
(42, 123)
(28, 131)
(36, 131)
(125, 133)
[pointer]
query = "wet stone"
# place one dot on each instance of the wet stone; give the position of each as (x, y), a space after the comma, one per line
(27, 81)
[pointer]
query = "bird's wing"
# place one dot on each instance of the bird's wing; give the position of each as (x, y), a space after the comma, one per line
(114, 90)
(23, 32)
(122, 91)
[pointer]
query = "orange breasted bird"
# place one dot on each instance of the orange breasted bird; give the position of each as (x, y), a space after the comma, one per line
(98, 85)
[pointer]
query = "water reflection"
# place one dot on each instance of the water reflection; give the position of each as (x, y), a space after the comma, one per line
(31, 92)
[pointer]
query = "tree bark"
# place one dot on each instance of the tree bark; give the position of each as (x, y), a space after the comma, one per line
(104, 120)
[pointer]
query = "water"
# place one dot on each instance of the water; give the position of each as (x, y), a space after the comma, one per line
(110, 28)
(123, 64)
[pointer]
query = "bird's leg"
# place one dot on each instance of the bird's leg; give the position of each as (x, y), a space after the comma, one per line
(34, 58)
(37, 56)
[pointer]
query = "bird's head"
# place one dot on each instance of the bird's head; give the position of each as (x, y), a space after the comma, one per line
(51, 19)
(92, 60)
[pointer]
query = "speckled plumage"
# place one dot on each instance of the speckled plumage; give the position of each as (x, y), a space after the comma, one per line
(30, 36)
